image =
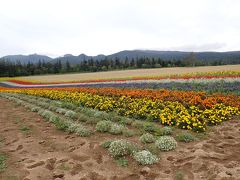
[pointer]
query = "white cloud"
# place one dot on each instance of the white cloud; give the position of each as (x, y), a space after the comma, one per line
(56, 27)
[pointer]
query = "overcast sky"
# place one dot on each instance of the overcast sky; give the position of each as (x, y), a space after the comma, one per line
(58, 27)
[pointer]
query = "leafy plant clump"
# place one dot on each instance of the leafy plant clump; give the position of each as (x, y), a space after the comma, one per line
(145, 157)
(71, 114)
(166, 143)
(164, 131)
(147, 138)
(122, 162)
(83, 132)
(103, 126)
(149, 127)
(106, 144)
(127, 132)
(46, 114)
(35, 109)
(120, 148)
(61, 111)
(2, 162)
(116, 129)
(185, 137)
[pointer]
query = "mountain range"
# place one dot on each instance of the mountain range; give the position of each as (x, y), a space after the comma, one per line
(164, 55)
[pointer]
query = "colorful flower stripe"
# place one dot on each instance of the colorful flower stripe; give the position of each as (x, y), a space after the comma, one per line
(176, 77)
(166, 112)
(188, 98)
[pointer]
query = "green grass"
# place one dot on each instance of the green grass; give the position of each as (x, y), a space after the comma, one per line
(64, 167)
(2, 162)
(122, 162)
(25, 129)
(179, 175)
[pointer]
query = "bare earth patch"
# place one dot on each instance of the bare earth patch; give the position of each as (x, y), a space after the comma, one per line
(37, 151)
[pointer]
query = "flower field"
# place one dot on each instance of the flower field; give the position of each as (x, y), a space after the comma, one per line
(193, 110)
(135, 119)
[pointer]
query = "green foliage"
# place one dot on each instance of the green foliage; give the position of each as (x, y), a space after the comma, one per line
(46, 114)
(179, 175)
(53, 119)
(52, 108)
(71, 114)
(166, 143)
(72, 127)
(116, 129)
(2, 162)
(61, 124)
(61, 111)
(83, 117)
(127, 132)
(103, 126)
(83, 131)
(164, 131)
(120, 148)
(68, 105)
(152, 148)
(122, 162)
(35, 109)
(147, 138)
(145, 157)
(149, 127)
(185, 137)
(25, 129)
(125, 121)
(106, 144)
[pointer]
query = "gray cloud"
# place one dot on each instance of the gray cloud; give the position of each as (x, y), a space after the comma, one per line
(57, 27)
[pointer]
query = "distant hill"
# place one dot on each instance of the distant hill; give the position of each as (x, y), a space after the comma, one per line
(164, 55)
(33, 58)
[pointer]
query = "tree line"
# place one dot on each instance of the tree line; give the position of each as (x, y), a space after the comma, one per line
(12, 69)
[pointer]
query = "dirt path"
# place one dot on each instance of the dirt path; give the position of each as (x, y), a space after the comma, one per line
(37, 151)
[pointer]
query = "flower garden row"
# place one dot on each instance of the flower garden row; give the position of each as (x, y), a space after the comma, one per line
(186, 110)
(175, 77)
(227, 82)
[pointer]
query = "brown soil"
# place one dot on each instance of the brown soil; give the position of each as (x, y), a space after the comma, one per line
(44, 153)
(129, 73)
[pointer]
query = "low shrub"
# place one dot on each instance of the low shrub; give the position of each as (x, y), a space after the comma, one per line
(166, 143)
(149, 127)
(127, 132)
(122, 162)
(52, 108)
(61, 124)
(116, 129)
(103, 126)
(145, 157)
(72, 127)
(83, 131)
(120, 148)
(147, 138)
(164, 131)
(35, 109)
(106, 144)
(152, 148)
(46, 114)
(71, 114)
(61, 111)
(185, 137)
(68, 105)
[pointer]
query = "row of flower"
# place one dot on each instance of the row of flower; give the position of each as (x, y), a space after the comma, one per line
(170, 112)
(188, 77)
(188, 98)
